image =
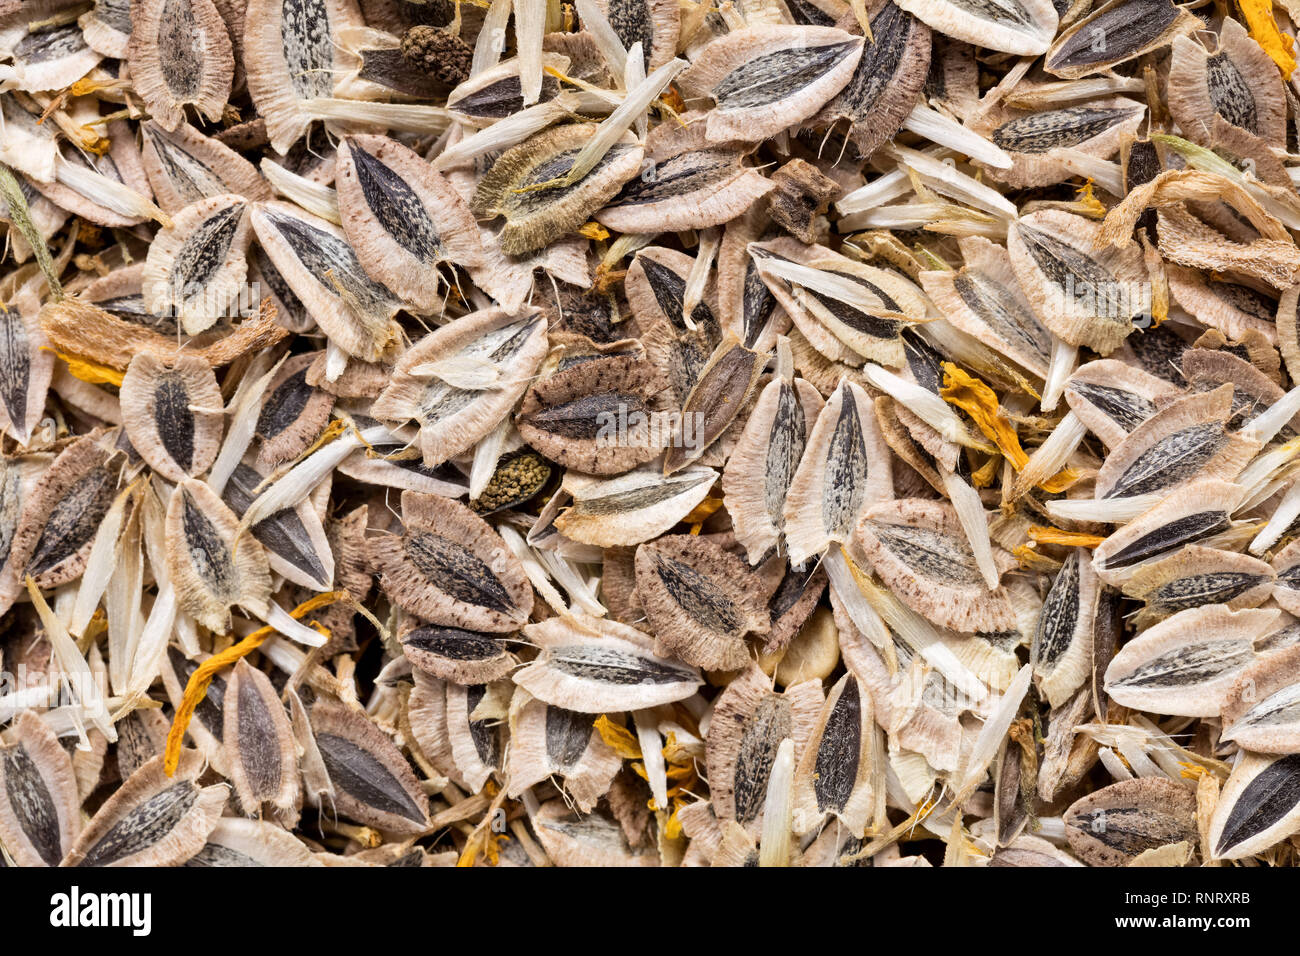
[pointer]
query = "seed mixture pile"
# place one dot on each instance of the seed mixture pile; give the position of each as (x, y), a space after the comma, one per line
(649, 432)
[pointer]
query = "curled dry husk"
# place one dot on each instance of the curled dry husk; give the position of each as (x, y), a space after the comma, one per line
(642, 433)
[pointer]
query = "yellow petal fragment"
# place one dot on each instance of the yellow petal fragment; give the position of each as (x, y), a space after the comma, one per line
(619, 739)
(1072, 539)
(89, 371)
(1258, 15)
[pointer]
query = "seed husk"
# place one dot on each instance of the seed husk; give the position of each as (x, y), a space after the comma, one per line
(372, 782)
(172, 414)
(260, 746)
(180, 55)
(1258, 806)
(211, 567)
(449, 567)
(1117, 823)
(695, 596)
(595, 666)
(39, 811)
(154, 819)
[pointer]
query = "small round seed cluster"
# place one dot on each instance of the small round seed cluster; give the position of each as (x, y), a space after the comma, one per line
(515, 481)
(445, 56)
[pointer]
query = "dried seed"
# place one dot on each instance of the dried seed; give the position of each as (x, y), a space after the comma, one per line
(180, 55)
(527, 186)
(453, 654)
(153, 819)
(695, 597)
(1259, 806)
(173, 414)
(595, 666)
(1187, 664)
(373, 784)
(40, 809)
(496, 353)
(835, 774)
(210, 567)
(546, 740)
(844, 469)
(260, 746)
(403, 218)
(449, 567)
(1113, 825)
(766, 78)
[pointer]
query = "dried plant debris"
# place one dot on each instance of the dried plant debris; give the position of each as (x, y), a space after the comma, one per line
(805, 433)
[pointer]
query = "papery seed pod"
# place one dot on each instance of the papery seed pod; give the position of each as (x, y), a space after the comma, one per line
(766, 78)
(751, 720)
(697, 601)
(259, 745)
(173, 414)
(459, 380)
(372, 782)
(180, 55)
(528, 186)
(154, 819)
(210, 566)
(546, 740)
(1187, 664)
(595, 666)
(1259, 805)
(40, 814)
(1115, 824)
(451, 568)
(402, 218)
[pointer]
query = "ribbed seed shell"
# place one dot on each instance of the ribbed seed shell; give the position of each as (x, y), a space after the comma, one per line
(291, 55)
(1184, 441)
(1187, 664)
(835, 775)
(1113, 825)
(721, 393)
(454, 654)
(185, 166)
(920, 552)
(373, 784)
(764, 461)
(596, 666)
(403, 218)
(844, 469)
(629, 509)
(1024, 27)
(1130, 29)
(1084, 296)
(260, 746)
(1238, 82)
(294, 539)
(601, 416)
(749, 722)
(547, 740)
(1262, 711)
(1259, 806)
(766, 78)
(322, 270)
(505, 347)
(1062, 649)
(538, 215)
